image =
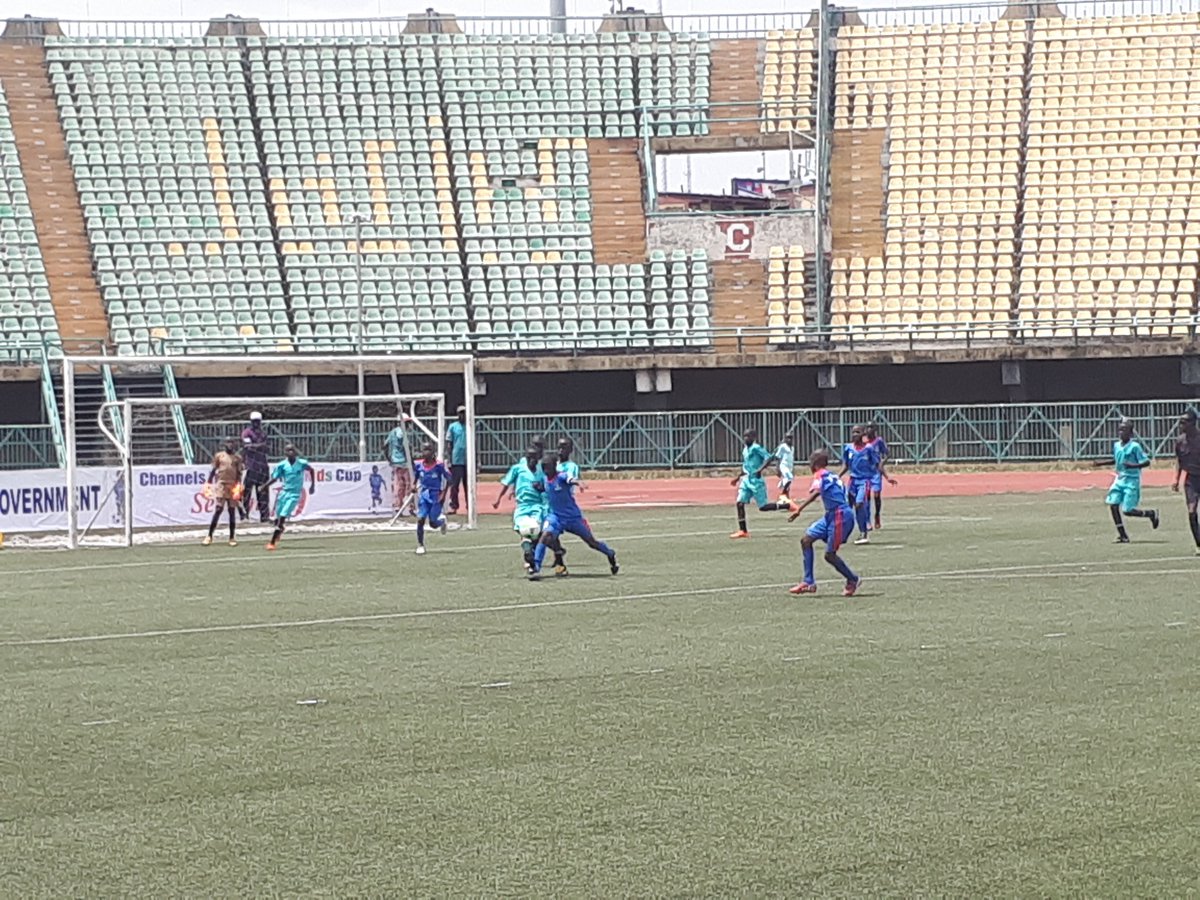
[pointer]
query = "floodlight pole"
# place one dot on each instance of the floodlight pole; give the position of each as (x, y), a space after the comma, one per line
(357, 219)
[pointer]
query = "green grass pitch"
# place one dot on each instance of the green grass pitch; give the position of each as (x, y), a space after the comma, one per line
(1008, 708)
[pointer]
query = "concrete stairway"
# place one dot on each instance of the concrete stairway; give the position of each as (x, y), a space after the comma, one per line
(57, 214)
(618, 215)
(735, 80)
(856, 196)
(740, 300)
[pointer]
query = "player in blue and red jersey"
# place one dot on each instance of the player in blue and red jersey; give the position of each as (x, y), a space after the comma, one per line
(564, 516)
(874, 437)
(861, 460)
(431, 480)
(834, 528)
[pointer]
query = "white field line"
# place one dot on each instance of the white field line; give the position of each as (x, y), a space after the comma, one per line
(996, 572)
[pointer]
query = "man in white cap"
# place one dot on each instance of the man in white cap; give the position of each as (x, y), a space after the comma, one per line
(258, 469)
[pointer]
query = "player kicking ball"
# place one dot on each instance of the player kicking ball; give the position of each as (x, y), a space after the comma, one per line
(750, 483)
(530, 510)
(291, 473)
(431, 481)
(1129, 459)
(834, 528)
(565, 517)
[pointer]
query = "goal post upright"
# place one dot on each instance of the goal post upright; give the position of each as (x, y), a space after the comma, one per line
(222, 365)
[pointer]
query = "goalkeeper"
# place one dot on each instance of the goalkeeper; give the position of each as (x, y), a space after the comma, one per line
(224, 487)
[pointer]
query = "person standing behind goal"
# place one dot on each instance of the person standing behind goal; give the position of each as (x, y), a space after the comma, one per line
(396, 452)
(456, 454)
(258, 471)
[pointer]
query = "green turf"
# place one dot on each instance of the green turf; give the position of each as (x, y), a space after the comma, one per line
(695, 731)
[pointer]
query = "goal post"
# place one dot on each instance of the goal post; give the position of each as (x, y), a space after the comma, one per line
(137, 460)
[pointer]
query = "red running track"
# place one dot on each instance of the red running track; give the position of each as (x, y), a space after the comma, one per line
(632, 493)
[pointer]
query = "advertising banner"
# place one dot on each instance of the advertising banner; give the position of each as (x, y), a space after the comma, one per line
(36, 499)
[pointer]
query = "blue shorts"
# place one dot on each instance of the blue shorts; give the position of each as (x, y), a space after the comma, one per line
(877, 483)
(1125, 495)
(860, 490)
(578, 527)
(835, 529)
(286, 504)
(429, 508)
(752, 489)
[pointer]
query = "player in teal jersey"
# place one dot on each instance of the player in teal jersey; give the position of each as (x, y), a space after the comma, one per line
(529, 514)
(750, 483)
(1123, 497)
(291, 473)
(566, 447)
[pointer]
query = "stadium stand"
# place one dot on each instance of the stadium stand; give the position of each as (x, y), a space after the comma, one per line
(1111, 230)
(1013, 179)
(163, 149)
(26, 313)
(789, 81)
(950, 97)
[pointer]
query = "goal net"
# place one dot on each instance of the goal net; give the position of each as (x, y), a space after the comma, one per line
(138, 462)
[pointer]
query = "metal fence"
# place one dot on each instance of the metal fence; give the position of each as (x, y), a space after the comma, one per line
(919, 435)
(915, 434)
(27, 447)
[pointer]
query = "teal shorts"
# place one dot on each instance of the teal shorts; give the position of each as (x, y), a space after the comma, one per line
(1124, 494)
(752, 489)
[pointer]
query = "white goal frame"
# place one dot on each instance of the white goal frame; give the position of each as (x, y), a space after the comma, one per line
(222, 366)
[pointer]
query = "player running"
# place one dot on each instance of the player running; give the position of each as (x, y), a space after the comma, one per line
(785, 464)
(834, 528)
(1187, 462)
(861, 460)
(750, 484)
(290, 472)
(530, 511)
(431, 481)
(1129, 459)
(565, 517)
(874, 437)
(224, 485)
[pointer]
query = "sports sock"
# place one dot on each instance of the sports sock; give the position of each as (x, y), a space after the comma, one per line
(526, 547)
(774, 507)
(421, 532)
(862, 514)
(278, 531)
(1138, 514)
(232, 521)
(741, 514)
(809, 578)
(878, 506)
(539, 556)
(840, 564)
(1116, 517)
(1194, 522)
(604, 548)
(212, 526)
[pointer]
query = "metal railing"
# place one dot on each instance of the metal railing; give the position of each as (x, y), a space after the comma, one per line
(921, 435)
(1042, 433)
(28, 447)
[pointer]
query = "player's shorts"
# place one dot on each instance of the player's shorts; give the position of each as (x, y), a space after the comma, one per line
(286, 504)
(1124, 494)
(430, 509)
(834, 529)
(226, 491)
(860, 490)
(578, 527)
(1191, 489)
(785, 478)
(528, 527)
(752, 489)
(877, 483)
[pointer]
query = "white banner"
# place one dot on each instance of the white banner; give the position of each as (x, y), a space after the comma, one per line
(36, 499)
